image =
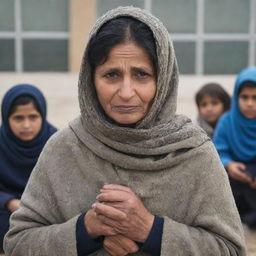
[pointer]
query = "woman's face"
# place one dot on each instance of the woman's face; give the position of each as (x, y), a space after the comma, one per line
(25, 122)
(247, 102)
(126, 83)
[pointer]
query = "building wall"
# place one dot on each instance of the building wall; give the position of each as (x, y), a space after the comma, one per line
(82, 17)
(210, 37)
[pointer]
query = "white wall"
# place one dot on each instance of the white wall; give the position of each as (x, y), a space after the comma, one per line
(60, 90)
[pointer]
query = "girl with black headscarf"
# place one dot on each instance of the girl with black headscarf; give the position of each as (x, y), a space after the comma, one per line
(23, 134)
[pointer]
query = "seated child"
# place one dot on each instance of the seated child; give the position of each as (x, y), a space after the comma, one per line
(212, 101)
(23, 134)
(235, 140)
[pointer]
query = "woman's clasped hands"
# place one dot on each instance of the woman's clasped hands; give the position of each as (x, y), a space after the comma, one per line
(120, 216)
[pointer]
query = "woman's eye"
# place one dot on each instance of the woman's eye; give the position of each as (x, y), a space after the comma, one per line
(33, 117)
(202, 105)
(142, 74)
(18, 118)
(244, 97)
(215, 103)
(111, 75)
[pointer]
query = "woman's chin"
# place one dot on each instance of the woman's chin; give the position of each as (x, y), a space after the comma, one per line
(127, 120)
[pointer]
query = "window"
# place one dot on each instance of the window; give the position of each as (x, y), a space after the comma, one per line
(179, 16)
(33, 35)
(220, 58)
(210, 37)
(103, 5)
(185, 54)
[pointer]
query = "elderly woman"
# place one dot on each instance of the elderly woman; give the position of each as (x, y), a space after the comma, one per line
(128, 175)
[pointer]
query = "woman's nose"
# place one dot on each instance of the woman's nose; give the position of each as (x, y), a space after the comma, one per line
(26, 123)
(209, 107)
(250, 102)
(126, 91)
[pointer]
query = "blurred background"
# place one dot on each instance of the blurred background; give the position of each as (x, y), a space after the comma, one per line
(42, 41)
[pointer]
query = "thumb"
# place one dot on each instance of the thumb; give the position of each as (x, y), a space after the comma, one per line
(241, 166)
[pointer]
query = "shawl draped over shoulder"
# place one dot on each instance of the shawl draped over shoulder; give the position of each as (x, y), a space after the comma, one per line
(205, 126)
(170, 164)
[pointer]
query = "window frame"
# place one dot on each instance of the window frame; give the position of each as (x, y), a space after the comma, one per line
(200, 37)
(18, 35)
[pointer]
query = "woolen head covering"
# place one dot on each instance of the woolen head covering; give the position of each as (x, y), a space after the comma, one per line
(205, 126)
(241, 135)
(18, 157)
(160, 128)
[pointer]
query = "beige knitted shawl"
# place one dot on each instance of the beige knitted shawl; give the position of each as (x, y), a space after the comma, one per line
(160, 132)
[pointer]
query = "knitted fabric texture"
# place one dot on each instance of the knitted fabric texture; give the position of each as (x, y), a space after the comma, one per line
(205, 126)
(160, 129)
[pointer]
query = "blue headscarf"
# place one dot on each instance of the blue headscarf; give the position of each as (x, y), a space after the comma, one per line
(240, 144)
(17, 157)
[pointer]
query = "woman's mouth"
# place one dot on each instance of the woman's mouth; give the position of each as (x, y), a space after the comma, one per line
(125, 109)
(26, 134)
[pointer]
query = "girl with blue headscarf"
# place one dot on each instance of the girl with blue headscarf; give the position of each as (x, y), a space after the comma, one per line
(235, 140)
(23, 134)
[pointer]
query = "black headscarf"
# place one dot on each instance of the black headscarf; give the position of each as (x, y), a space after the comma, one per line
(17, 157)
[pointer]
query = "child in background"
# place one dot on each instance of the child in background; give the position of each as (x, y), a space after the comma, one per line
(212, 101)
(235, 140)
(23, 134)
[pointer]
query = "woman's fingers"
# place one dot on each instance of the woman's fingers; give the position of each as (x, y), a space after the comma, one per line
(253, 184)
(95, 227)
(116, 187)
(113, 248)
(239, 175)
(108, 211)
(113, 196)
(236, 171)
(119, 245)
(241, 166)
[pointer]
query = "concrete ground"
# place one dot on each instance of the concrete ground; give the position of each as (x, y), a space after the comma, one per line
(60, 89)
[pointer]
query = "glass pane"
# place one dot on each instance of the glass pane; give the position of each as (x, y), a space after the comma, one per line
(45, 55)
(185, 53)
(7, 62)
(6, 15)
(45, 15)
(105, 5)
(227, 16)
(179, 16)
(225, 57)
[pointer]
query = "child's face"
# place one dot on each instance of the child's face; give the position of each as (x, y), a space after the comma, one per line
(25, 122)
(247, 102)
(210, 109)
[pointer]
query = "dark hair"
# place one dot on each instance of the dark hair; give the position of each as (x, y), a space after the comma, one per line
(23, 100)
(214, 90)
(246, 84)
(117, 31)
